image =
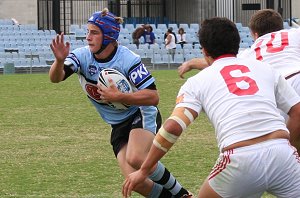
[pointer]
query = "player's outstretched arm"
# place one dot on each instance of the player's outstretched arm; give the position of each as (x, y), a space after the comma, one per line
(163, 141)
(195, 63)
(60, 51)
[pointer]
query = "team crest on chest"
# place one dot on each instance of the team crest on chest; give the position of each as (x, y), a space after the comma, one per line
(92, 69)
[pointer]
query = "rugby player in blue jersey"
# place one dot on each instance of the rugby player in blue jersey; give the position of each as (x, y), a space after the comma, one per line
(133, 128)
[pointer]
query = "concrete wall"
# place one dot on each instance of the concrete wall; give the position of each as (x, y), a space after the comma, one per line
(24, 11)
(296, 8)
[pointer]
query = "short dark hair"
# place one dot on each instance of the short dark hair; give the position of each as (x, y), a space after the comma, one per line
(265, 21)
(219, 36)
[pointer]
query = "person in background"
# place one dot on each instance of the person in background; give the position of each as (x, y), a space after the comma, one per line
(165, 35)
(134, 128)
(138, 33)
(240, 97)
(181, 37)
(148, 35)
(170, 43)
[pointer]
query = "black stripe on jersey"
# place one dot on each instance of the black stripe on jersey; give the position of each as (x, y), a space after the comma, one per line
(142, 82)
(69, 70)
(74, 58)
(134, 66)
(88, 80)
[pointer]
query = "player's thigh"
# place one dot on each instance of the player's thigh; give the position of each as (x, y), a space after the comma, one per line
(139, 143)
(207, 191)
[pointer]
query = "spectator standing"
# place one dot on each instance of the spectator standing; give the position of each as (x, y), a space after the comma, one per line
(170, 43)
(181, 37)
(165, 35)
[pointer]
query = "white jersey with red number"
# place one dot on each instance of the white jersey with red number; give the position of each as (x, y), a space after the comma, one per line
(239, 98)
(280, 49)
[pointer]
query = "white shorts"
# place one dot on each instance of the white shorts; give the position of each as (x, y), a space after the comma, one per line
(272, 166)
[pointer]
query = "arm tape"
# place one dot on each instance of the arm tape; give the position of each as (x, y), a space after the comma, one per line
(179, 121)
(164, 140)
(183, 117)
(168, 136)
(158, 145)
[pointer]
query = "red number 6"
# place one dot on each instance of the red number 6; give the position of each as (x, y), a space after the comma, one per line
(232, 81)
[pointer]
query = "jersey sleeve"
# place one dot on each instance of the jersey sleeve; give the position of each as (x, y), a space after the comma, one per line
(74, 59)
(286, 96)
(188, 97)
(139, 75)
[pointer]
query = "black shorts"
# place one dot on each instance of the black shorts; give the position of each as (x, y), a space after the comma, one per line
(120, 132)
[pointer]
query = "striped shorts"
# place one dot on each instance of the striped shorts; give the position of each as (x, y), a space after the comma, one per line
(272, 166)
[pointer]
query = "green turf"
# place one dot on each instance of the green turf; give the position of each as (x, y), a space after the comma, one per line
(53, 143)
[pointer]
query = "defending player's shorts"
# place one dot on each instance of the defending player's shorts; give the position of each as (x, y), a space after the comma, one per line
(242, 171)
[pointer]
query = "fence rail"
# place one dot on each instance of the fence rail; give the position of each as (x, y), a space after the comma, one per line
(60, 14)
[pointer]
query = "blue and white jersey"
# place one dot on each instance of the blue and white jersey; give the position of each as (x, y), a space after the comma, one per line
(126, 62)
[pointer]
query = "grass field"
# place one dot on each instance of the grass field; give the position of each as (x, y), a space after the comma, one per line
(53, 143)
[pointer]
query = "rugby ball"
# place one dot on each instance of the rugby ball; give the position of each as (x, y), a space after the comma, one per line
(120, 82)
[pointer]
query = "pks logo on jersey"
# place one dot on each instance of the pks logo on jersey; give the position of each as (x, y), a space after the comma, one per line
(92, 69)
(139, 74)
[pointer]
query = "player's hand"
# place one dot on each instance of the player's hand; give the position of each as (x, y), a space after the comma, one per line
(59, 48)
(110, 93)
(183, 68)
(132, 181)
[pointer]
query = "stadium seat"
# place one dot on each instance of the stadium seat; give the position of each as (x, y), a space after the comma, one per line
(140, 52)
(178, 58)
(239, 26)
(244, 45)
(162, 27)
(144, 46)
(194, 26)
(185, 26)
(73, 28)
(174, 26)
(197, 46)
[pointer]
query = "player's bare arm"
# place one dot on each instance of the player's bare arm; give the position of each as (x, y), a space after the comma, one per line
(167, 135)
(60, 51)
(195, 63)
(293, 125)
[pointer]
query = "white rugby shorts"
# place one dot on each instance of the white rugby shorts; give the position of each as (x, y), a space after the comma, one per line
(272, 166)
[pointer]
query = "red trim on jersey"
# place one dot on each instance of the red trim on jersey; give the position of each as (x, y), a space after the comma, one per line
(221, 164)
(225, 56)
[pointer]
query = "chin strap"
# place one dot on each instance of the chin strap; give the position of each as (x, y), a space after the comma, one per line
(101, 49)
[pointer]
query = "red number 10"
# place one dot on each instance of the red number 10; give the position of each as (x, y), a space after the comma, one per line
(231, 81)
(270, 48)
